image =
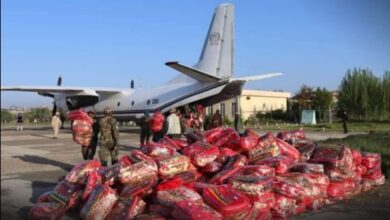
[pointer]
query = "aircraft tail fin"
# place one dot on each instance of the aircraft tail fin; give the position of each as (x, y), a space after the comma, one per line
(217, 54)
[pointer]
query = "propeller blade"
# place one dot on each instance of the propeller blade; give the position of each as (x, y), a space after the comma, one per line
(54, 108)
(59, 81)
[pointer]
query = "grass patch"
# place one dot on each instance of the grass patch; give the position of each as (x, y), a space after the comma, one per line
(377, 142)
(334, 127)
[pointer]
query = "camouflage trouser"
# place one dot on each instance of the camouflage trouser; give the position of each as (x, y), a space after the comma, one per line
(107, 151)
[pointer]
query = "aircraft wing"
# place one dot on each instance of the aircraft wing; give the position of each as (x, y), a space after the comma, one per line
(57, 89)
(257, 77)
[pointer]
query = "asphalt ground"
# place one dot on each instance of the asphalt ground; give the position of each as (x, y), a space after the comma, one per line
(32, 162)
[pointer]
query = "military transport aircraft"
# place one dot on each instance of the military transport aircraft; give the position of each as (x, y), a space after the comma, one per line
(209, 81)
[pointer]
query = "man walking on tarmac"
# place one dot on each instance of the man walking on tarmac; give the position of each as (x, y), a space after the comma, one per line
(109, 138)
(56, 124)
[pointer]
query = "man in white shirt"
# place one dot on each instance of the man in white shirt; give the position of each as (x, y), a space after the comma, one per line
(174, 128)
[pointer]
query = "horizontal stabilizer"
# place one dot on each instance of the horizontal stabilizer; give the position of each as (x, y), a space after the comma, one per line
(193, 73)
(257, 77)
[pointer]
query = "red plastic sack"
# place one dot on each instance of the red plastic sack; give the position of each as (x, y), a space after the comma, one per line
(80, 171)
(291, 136)
(280, 163)
(306, 151)
(288, 150)
(251, 185)
(369, 160)
(66, 193)
(225, 153)
(201, 153)
(82, 132)
(79, 114)
(136, 156)
(47, 211)
(173, 165)
(289, 188)
(284, 206)
(313, 185)
(307, 168)
(247, 143)
(266, 147)
(170, 197)
(222, 176)
(263, 201)
(195, 211)
(194, 136)
(149, 217)
(258, 170)
(237, 160)
(338, 175)
(172, 143)
(160, 210)
(256, 214)
(110, 174)
(186, 178)
(156, 122)
(99, 203)
(226, 136)
(44, 197)
(334, 155)
(138, 172)
(339, 190)
(357, 156)
(140, 189)
(213, 134)
(360, 170)
(94, 179)
(212, 168)
(158, 149)
(227, 201)
(127, 208)
(250, 133)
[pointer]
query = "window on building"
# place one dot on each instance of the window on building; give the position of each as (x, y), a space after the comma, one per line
(234, 108)
(264, 106)
(222, 106)
(248, 98)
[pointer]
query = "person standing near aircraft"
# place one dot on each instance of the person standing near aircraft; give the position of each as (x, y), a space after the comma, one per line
(19, 122)
(173, 121)
(56, 124)
(216, 120)
(236, 120)
(89, 151)
(109, 138)
(344, 118)
(145, 129)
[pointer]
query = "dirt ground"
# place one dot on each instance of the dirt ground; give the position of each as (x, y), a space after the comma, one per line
(32, 162)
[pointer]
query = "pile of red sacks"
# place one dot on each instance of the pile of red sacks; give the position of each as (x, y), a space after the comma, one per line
(217, 175)
(81, 126)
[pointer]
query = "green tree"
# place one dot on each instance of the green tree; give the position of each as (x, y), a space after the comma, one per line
(323, 100)
(6, 116)
(360, 94)
(386, 94)
(41, 114)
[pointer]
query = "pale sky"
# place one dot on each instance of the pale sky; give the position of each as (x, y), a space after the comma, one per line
(108, 43)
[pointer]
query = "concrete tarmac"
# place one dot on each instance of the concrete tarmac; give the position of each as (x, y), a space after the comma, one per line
(32, 162)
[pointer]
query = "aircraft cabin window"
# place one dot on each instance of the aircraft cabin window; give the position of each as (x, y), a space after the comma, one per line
(118, 104)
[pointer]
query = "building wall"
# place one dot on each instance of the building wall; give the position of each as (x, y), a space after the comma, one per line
(250, 102)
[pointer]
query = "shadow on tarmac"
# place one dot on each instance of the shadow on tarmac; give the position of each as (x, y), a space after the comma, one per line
(38, 188)
(42, 160)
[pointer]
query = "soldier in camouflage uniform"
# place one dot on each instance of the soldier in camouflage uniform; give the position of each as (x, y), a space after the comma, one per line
(109, 138)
